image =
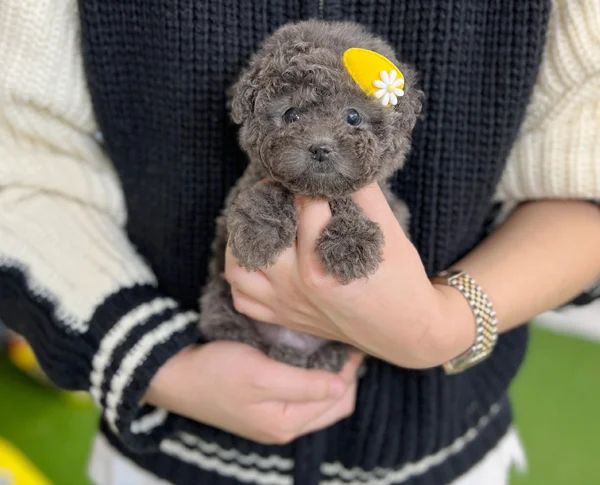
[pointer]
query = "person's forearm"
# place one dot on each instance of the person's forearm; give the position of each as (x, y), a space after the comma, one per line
(544, 254)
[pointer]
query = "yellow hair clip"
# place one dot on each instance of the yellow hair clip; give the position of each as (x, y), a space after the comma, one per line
(375, 74)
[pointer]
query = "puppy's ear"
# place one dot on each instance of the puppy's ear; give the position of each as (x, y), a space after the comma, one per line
(409, 105)
(242, 95)
(405, 116)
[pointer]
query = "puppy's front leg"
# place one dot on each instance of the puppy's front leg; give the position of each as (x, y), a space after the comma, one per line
(350, 245)
(261, 223)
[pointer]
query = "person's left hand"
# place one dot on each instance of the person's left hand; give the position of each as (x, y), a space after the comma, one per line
(395, 314)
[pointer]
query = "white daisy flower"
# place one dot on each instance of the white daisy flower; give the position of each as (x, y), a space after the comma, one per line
(390, 88)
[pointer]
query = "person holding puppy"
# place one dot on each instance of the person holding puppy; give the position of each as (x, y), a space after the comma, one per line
(116, 154)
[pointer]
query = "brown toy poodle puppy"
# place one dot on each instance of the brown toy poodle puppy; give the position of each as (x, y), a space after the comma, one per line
(307, 128)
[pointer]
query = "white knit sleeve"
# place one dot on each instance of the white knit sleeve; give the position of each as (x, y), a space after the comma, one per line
(70, 280)
(557, 153)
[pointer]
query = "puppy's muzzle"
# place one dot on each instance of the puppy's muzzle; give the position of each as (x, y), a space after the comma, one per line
(320, 153)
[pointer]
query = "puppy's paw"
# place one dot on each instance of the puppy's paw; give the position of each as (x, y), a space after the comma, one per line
(350, 248)
(261, 223)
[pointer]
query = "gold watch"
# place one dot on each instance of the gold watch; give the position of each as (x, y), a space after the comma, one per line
(486, 323)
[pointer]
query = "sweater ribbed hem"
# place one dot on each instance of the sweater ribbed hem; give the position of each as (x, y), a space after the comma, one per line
(419, 426)
(188, 459)
(129, 337)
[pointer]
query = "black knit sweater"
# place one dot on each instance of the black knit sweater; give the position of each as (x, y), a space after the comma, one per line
(158, 73)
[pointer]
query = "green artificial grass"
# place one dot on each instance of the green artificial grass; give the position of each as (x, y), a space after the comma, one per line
(52, 428)
(556, 400)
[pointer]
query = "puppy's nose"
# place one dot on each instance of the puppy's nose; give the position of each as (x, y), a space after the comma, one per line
(320, 152)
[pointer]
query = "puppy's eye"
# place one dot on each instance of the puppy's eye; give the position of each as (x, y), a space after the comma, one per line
(291, 115)
(353, 117)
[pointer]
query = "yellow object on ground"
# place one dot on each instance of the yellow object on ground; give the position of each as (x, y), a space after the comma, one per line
(16, 469)
(22, 356)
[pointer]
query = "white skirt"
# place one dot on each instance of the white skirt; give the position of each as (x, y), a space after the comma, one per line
(108, 467)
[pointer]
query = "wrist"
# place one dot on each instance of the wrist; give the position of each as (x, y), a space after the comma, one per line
(453, 328)
(163, 384)
(443, 328)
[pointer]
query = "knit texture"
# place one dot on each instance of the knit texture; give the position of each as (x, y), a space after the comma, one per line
(70, 280)
(557, 153)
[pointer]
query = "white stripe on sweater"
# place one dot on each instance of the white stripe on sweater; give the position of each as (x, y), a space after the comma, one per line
(248, 475)
(149, 421)
(495, 467)
(252, 459)
(117, 334)
(231, 462)
(136, 357)
(106, 461)
(385, 476)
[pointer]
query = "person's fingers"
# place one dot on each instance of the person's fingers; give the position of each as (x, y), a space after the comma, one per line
(305, 417)
(286, 421)
(349, 372)
(233, 271)
(240, 277)
(252, 308)
(342, 408)
(254, 285)
(298, 418)
(282, 382)
(293, 324)
(313, 216)
(316, 331)
(283, 268)
(373, 203)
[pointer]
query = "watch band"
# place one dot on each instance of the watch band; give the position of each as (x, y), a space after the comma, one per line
(486, 323)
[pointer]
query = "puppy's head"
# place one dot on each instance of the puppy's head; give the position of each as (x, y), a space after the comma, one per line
(308, 123)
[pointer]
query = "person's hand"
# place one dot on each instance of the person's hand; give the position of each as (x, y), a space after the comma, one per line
(395, 314)
(237, 388)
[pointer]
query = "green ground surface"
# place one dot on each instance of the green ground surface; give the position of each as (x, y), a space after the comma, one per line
(556, 405)
(54, 429)
(557, 410)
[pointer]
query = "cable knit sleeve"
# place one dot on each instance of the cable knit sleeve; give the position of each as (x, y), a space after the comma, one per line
(70, 281)
(557, 154)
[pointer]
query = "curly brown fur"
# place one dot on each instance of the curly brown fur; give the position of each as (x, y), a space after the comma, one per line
(350, 245)
(292, 103)
(261, 223)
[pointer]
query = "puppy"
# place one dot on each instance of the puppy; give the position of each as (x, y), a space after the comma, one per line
(309, 127)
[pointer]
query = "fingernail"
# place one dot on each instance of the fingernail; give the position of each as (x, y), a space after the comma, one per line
(337, 388)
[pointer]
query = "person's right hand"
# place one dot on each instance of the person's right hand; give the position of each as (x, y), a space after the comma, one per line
(237, 388)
